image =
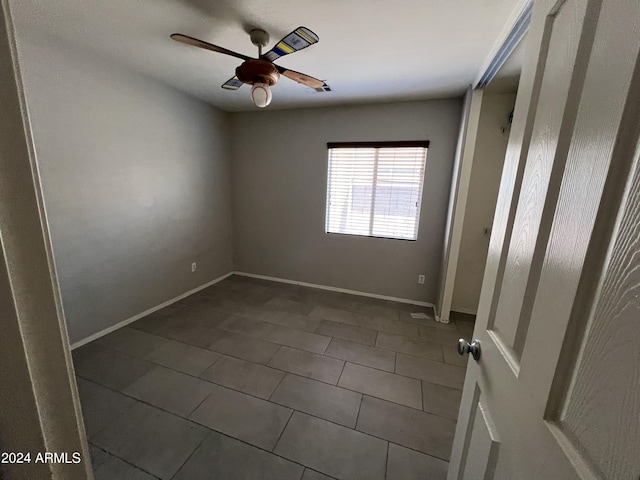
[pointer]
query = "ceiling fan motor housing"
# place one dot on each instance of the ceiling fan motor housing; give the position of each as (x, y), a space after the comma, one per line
(257, 71)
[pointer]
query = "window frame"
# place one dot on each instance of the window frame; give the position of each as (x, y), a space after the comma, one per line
(381, 144)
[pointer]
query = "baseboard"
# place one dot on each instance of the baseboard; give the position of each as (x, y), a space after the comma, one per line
(436, 314)
(126, 322)
(464, 310)
(336, 289)
(123, 323)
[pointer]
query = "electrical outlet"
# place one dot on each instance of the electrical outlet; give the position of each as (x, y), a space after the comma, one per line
(421, 279)
(194, 267)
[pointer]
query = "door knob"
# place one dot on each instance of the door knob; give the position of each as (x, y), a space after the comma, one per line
(473, 348)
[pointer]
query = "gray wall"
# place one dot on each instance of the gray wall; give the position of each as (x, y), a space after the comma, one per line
(279, 193)
(136, 180)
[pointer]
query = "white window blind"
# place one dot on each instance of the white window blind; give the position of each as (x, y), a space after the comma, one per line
(375, 189)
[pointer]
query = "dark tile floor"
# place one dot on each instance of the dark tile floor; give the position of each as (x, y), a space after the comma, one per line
(250, 379)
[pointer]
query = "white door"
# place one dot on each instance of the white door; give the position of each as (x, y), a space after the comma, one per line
(556, 392)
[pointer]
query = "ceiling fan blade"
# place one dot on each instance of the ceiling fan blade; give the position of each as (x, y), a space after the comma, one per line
(178, 37)
(232, 84)
(304, 79)
(300, 38)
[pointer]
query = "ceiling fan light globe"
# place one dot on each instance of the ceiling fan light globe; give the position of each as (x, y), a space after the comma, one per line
(261, 94)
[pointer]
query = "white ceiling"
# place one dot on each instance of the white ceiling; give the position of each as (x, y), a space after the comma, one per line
(369, 50)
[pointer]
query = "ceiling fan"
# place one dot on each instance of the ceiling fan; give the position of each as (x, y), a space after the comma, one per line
(261, 72)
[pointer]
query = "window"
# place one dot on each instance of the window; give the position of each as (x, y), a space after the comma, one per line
(375, 189)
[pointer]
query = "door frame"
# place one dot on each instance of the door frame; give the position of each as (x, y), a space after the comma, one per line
(514, 31)
(39, 397)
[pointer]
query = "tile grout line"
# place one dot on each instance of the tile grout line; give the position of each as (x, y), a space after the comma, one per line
(324, 353)
(294, 410)
(210, 366)
(191, 454)
(355, 430)
(210, 429)
(268, 361)
(114, 419)
(280, 370)
(275, 389)
(344, 363)
(199, 404)
(261, 398)
(121, 459)
(419, 338)
(275, 342)
(363, 365)
(91, 457)
(386, 463)
(282, 433)
(272, 287)
(355, 427)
